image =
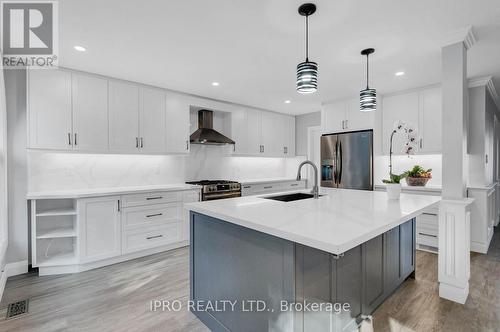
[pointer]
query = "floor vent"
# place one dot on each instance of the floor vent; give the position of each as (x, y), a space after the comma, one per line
(17, 309)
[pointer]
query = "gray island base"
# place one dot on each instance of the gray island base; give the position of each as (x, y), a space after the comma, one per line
(245, 280)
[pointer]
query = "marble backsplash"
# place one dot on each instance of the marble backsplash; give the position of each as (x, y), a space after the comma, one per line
(49, 171)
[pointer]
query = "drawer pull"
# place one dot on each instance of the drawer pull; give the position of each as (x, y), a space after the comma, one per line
(294, 184)
(430, 214)
(154, 215)
(153, 237)
(428, 235)
(151, 198)
(268, 187)
(246, 187)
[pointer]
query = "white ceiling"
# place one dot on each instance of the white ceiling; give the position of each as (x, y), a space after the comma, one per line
(252, 47)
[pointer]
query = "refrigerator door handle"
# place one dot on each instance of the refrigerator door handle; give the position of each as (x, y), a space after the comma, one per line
(335, 164)
(340, 163)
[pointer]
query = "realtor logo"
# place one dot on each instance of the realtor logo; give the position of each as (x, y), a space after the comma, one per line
(29, 33)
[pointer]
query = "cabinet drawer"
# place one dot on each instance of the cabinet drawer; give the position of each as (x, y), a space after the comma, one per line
(265, 187)
(293, 185)
(427, 240)
(428, 221)
(149, 237)
(150, 198)
(155, 214)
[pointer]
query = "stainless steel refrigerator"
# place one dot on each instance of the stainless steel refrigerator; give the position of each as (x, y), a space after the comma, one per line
(347, 160)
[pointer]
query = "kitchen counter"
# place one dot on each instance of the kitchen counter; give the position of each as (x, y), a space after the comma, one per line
(336, 222)
(94, 192)
(406, 188)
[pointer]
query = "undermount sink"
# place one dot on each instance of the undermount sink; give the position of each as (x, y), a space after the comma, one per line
(290, 197)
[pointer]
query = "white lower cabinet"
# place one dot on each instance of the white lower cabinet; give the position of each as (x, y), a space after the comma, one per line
(483, 217)
(100, 228)
(71, 235)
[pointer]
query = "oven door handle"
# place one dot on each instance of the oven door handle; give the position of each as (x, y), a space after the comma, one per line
(225, 195)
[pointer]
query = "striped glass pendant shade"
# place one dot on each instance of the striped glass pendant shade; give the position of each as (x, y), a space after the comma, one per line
(307, 71)
(307, 77)
(368, 100)
(367, 97)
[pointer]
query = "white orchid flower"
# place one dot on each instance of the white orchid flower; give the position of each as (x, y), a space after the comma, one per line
(399, 125)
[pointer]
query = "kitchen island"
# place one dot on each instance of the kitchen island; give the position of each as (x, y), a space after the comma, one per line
(307, 265)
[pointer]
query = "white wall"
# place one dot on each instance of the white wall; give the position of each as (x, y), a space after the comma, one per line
(302, 122)
(15, 88)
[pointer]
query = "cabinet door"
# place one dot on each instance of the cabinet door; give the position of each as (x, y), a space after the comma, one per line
(123, 117)
(333, 117)
(49, 102)
(407, 247)
(289, 148)
(152, 122)
(348, 285)
(430, 123)
(357, 120)
(100, 228)
(403, 107)
(245, 131)
(373, 273)
(90, 113)
(272, 133)
(392, 260)
(177, 125)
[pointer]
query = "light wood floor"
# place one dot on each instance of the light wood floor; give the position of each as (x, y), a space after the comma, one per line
(117, 298)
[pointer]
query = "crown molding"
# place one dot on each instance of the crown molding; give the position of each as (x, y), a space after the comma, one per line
(487, 82)
(464, 35)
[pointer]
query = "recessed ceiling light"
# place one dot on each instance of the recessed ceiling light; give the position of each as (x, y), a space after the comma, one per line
(287, 101)
(215, 83)
(400, 73)
(80, 48)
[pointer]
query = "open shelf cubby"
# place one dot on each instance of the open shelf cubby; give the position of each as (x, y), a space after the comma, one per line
(54, 232)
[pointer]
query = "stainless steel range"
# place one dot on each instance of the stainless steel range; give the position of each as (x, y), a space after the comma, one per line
(218, 189)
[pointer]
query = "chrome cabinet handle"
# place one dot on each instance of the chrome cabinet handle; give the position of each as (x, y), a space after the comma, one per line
(75, 140)
(187, 145)
(246, 187)
(142, 143)
(69, 138)
(119, 206)
(421, 143)
(137, 142)
(343, 124)
(294, 184)
(268, 187)
(151, 198)
(153, 237)
(154, 215)
(346, 124)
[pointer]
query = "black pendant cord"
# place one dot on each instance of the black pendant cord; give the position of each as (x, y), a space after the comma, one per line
(307, 38)
(367, 71)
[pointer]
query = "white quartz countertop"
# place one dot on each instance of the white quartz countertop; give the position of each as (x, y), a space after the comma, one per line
(269, 180)
(404, 187)
(93, 192)
(336, 222)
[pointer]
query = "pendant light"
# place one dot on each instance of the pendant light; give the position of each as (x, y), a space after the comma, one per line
(367, 97)
(307, 71)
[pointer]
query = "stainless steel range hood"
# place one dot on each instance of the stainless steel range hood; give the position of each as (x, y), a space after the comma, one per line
(205, 134)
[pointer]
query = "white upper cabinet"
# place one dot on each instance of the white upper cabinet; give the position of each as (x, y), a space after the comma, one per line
(401, 107)
(289, 148)
(430, 122)
(357, 120)
(341, 116)
(245, 131)
(423, 110)
(49, 104)
(333, 117)
(90, 113)
(123, 117)
(177, 126)
(152, 122)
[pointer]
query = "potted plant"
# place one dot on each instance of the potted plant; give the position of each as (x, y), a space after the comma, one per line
(394, 182)
(418, 176)
(394, 185)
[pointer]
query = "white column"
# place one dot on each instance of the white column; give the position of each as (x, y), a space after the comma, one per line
(454, 214)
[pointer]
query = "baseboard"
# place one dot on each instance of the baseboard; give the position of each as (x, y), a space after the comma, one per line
(16, 268)
(3, 281)
(453, 293)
